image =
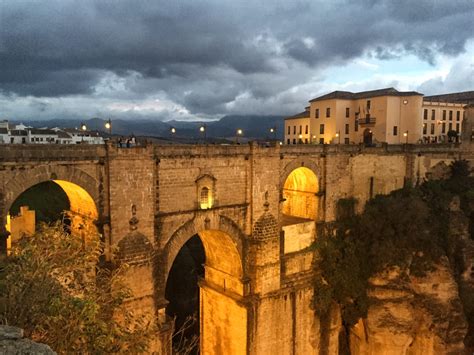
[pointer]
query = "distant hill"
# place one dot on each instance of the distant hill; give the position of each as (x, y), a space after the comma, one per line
(253, 127)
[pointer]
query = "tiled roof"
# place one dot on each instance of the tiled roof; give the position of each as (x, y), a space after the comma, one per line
(455, 97)
(39, 131)
(303, 114)
(62, 134)
(347, 95)
(18, 132)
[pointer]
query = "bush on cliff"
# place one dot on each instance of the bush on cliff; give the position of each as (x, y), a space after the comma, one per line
(407, 228)
(51, 287)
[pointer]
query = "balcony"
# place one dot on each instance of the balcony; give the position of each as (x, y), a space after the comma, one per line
(366, 121)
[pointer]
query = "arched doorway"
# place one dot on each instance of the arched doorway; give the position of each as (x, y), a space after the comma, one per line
(209, 263)
(300, 194)
(368, 137)
(50, 201)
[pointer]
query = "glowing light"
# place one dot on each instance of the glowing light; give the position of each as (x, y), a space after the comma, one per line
(202, 128)
(239, 132)
(83, 126)
(300, 191)
(173, 130)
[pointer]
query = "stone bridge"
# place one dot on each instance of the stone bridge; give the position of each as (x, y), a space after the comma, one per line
(255, 209)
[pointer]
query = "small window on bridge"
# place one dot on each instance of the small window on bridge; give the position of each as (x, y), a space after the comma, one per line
(204, 200)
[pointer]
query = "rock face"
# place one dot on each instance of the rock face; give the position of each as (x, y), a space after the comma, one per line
(412, 315)
(12, 342)
(422, 315)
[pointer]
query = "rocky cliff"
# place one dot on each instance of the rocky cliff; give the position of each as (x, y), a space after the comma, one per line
(422, 315)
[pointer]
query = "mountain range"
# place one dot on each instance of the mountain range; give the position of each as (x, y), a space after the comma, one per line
(252, 126)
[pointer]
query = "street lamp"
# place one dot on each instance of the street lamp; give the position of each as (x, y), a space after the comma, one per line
(84, 128)
(273, 130)
(108, 125)
(300, 138)
(239, 133)
(405, 134)
(173, 130)
(338, 136)
(203, 130)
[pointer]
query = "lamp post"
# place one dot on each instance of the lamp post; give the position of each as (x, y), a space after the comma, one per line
(273, 131)
(108, 125)
(83, 128)
(203, 130)
(405, 134)
(338, 136)
(300, 139)
(172, 131)
(239, 133)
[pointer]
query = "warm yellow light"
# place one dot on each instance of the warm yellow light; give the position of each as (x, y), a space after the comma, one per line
(83, 126)
(337, 135)
(239, 132)
(107, 125)
(300, 136)
(272, 130)
(173, 130)
(300, 191)
(314, 137)
(202, 128)
(405, 134)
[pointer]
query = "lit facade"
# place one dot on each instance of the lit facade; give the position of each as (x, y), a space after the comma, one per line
(386, 115)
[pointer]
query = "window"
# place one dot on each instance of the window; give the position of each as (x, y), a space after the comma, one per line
(321, 140)
(289, 129)
(294, 141)
(356, 125)
(294, 129)
(424, 128)
(306, 129)
(288, 141)
(425, 114)
(432, 128)
(346, 140)
(444, 115)
(457, 127)
(317, 113)
(348, 112)
(301, 129)
(450, 115)
(395, 130)
(450, 127)
(321, 129)
(433, 114)
(306, 141)
(368, 104)
(328, 112)
(443, 128)
(347, 128)
(204, 198)
(458, 115)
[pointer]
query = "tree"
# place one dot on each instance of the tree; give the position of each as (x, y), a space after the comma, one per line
(52, 287)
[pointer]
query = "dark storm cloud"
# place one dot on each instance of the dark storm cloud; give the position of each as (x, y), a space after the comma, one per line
(206, 53)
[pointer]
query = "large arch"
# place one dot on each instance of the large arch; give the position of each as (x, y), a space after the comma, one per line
(223, 316)
(81, 191)
(29, 177)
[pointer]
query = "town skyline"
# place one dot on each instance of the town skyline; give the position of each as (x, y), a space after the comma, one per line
(204, 60)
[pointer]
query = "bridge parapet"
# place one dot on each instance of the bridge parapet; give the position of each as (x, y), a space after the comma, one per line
(50, 152)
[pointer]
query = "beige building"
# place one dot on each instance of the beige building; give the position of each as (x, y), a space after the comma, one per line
(385, 115)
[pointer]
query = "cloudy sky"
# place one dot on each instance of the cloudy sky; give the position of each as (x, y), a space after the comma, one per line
(202, 59)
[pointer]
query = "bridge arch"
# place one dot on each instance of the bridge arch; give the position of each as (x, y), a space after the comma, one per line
(300, 186)
(29, 177)
(222, 317)
(80, 189)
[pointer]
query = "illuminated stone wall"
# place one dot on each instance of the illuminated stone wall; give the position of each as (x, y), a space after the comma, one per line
(258, 285)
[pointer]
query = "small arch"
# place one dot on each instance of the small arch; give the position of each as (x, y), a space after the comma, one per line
(300, 194)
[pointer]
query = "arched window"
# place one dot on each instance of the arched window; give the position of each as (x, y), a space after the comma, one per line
(204, 198)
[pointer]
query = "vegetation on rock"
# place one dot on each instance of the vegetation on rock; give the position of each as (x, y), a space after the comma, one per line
(52, 287)
(408, 229)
